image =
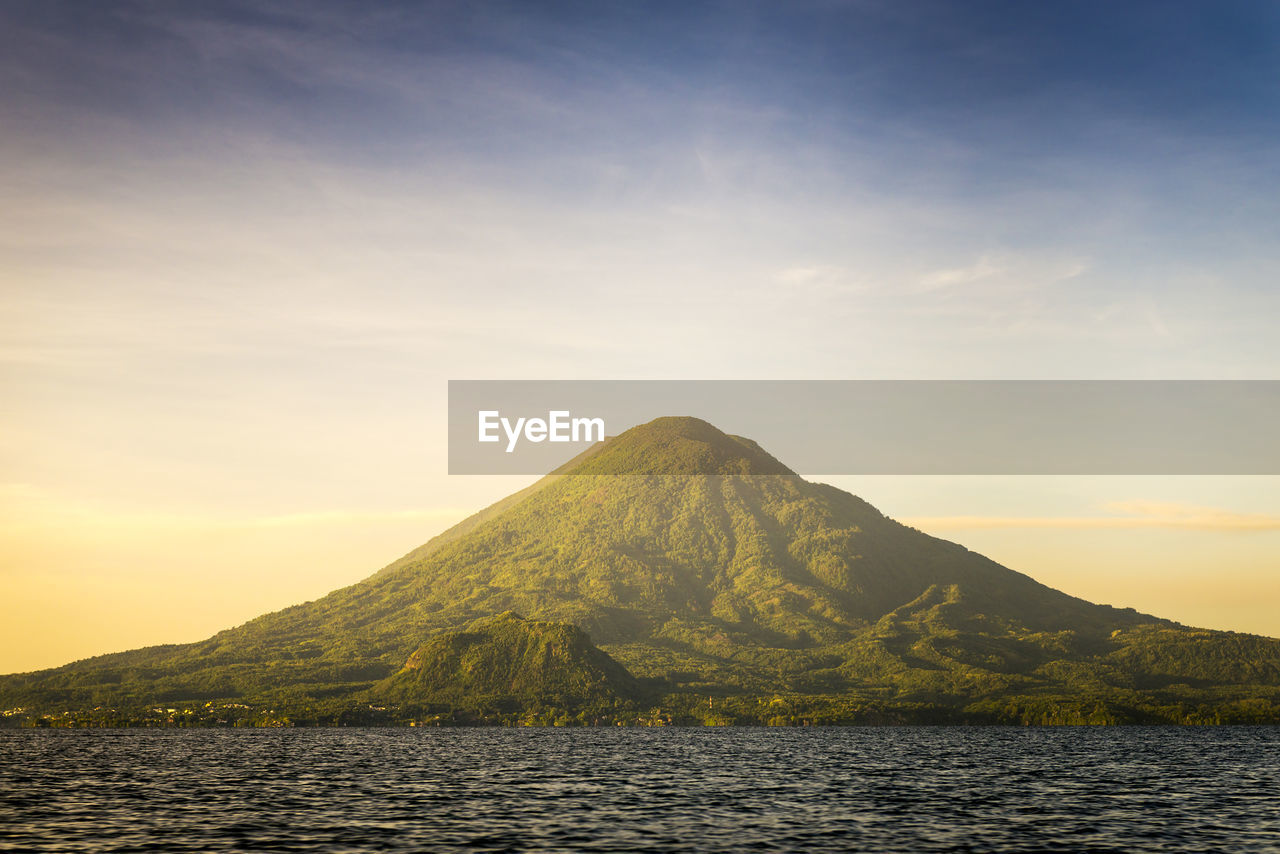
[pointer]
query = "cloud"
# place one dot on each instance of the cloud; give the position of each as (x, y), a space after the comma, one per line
(350, 517)
(984, 268)
(27, 508)
(1006, 271)
(1127, 515)
(829, 278)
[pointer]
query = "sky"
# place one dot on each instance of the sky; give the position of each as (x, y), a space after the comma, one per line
(244, 246)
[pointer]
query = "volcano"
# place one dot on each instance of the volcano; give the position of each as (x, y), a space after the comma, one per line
(700, 566)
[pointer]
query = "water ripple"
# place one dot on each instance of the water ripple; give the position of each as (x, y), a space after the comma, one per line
(668, 790)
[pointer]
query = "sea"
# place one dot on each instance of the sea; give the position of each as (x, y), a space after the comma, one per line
(908, 789)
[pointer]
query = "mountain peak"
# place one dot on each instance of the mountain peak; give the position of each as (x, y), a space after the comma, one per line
(676, 445)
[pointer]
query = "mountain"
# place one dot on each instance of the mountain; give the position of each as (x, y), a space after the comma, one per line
(708, 569)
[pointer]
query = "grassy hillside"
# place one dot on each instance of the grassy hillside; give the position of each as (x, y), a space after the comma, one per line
(702, 564)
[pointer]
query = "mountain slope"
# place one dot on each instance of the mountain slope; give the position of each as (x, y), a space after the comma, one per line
(694, 557)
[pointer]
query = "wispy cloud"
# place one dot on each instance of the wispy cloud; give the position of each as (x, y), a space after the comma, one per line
(984, 268)
(1007, 271)
(831, 279)
(1124, 515)
(25, 506)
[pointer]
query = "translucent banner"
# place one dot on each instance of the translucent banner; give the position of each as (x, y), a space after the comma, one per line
(890, 426)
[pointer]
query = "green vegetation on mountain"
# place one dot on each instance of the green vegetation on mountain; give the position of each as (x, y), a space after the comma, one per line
(733, 590)
(509, 660)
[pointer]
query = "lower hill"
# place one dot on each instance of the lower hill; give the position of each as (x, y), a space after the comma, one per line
(509, 662)
(717, 577)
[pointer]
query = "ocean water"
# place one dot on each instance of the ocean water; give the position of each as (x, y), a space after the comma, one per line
(635, 790)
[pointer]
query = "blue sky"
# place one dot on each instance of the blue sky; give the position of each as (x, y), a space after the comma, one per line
(967, 103)
(1126, 150)
(244, 246)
